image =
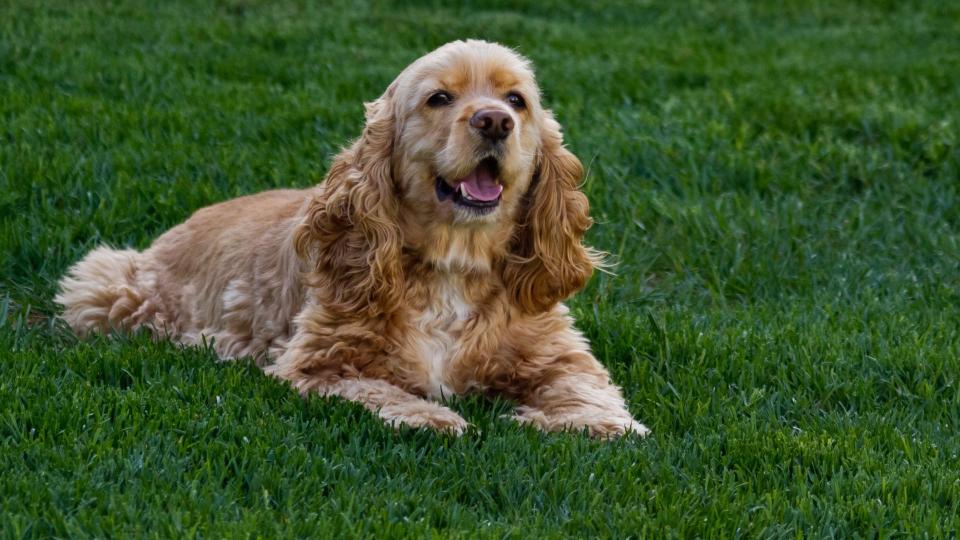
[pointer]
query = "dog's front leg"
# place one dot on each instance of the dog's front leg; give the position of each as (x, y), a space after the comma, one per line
(576, 401)
(392, 404)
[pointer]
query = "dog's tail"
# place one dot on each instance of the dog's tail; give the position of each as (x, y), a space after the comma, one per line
(100, 292)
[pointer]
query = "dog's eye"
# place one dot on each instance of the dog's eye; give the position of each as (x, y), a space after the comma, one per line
(440, 99)
(516, 101)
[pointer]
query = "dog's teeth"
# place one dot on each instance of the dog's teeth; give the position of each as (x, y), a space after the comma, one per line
(463, 193)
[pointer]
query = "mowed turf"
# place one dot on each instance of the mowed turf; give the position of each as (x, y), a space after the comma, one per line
(779, 182)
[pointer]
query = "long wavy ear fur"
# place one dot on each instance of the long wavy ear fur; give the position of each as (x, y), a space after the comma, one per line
(547, 261)
(350, 232)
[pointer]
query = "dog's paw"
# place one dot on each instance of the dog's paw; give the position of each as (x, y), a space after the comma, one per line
(599, 424)
(425, 415)
(630, 428)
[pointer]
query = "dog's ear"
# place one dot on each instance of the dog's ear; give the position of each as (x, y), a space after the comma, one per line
(349, 233)
(547, 261)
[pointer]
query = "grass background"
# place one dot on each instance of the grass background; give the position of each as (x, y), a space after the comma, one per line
(778, 180)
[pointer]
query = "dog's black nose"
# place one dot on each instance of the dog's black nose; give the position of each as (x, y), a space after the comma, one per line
(492, 124)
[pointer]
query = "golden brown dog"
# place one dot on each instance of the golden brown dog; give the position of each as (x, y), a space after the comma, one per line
(432, 261)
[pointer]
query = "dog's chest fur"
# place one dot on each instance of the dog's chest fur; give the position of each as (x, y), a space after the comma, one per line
(437, 332)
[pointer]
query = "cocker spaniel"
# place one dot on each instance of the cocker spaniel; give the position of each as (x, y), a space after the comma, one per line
(432, 261)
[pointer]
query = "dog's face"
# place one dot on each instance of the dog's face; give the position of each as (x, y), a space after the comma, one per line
(467, 134)
(460, 167)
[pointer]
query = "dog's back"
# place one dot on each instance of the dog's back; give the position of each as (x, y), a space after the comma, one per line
(227, 274)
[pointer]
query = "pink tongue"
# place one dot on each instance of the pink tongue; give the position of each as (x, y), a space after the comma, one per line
(480, 185)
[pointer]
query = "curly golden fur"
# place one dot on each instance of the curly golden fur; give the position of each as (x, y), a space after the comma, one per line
(433, 260)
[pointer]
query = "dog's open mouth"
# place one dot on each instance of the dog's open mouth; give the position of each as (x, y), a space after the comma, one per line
(480, 190)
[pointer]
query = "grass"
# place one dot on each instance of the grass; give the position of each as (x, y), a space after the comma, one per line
(779, 181)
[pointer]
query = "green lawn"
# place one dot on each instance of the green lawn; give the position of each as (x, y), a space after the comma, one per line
(779, 181)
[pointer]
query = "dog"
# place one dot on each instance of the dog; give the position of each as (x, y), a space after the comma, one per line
(432, 261)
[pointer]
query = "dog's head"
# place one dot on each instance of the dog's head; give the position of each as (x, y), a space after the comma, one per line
(468, 123)
(459, 161)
